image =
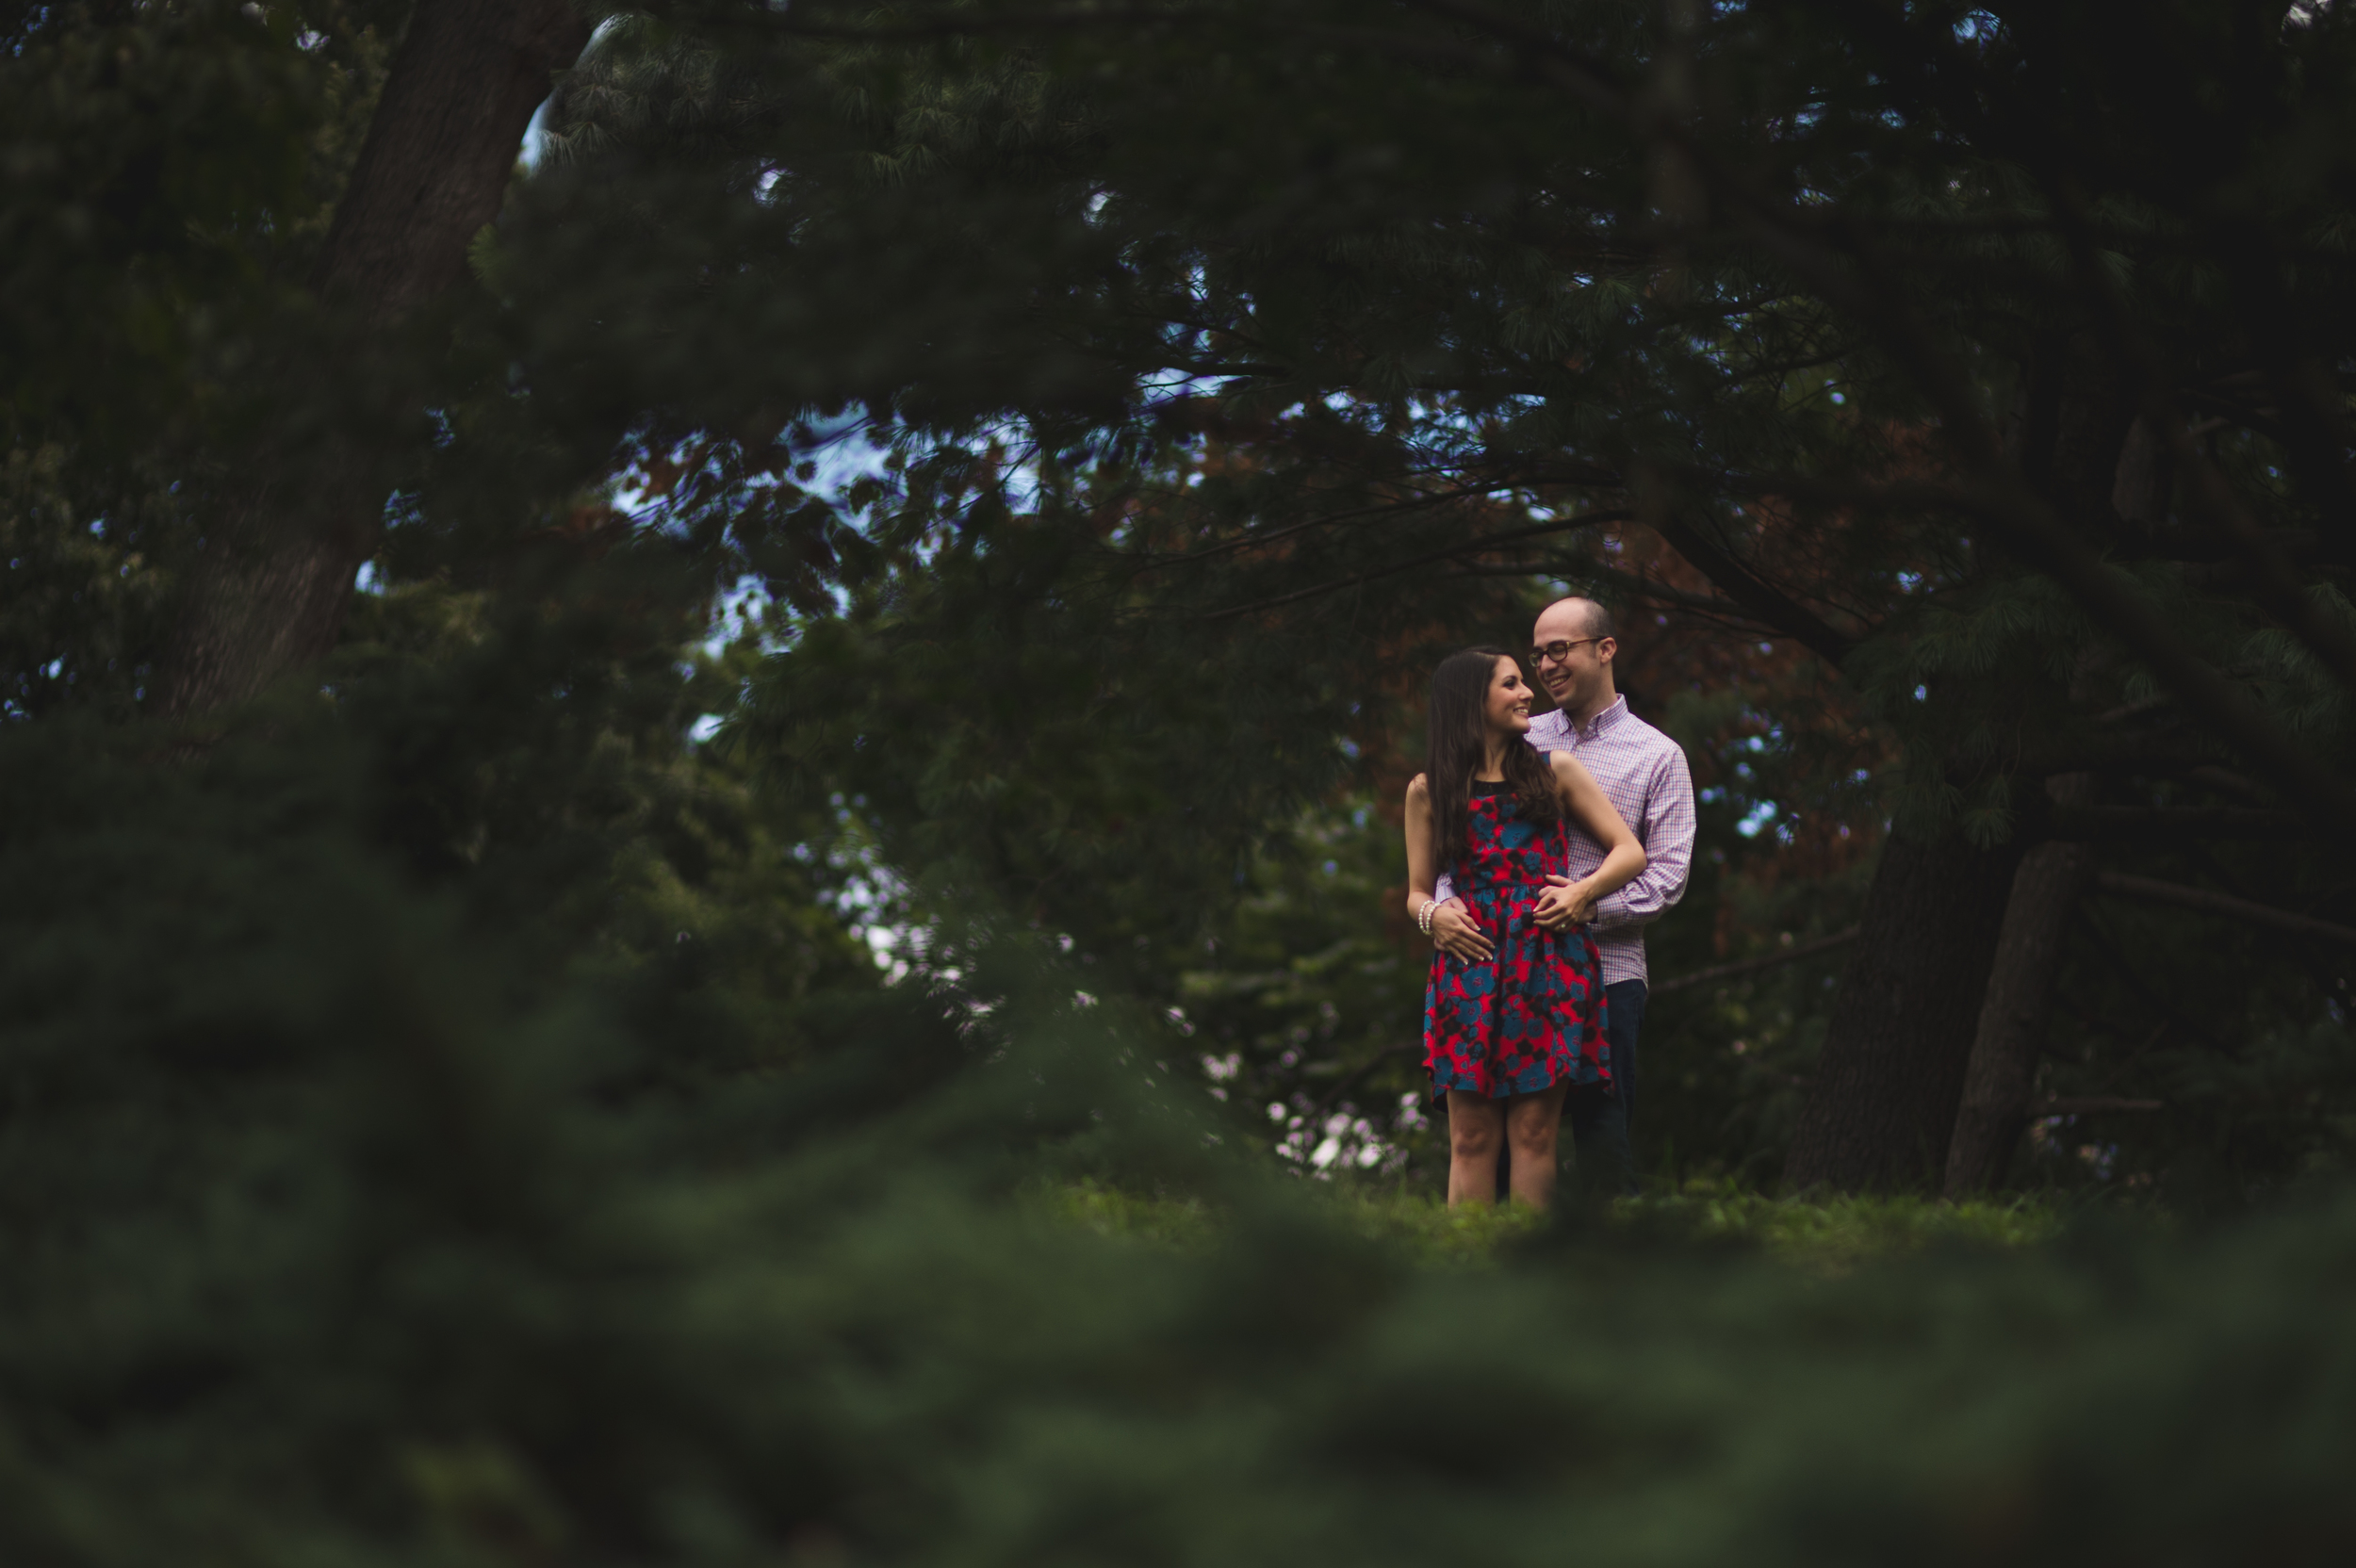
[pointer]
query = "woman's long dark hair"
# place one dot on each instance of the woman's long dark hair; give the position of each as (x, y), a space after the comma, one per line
(1460, 689)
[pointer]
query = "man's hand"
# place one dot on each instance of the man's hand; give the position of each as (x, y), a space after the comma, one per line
(1456, 933)
(1563, 902)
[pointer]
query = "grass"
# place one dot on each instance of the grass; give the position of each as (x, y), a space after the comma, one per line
(1835, 1234)
(1826, 1235)
(1182, 1223)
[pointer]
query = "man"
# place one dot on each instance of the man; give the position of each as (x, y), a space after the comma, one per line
(1644, 774)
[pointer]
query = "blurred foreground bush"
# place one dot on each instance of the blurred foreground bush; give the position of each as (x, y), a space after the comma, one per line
(333, 1234)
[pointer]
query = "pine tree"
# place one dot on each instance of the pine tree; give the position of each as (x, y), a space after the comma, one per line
(1828, 298)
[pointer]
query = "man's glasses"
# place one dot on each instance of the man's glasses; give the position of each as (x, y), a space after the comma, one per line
(1557, 652)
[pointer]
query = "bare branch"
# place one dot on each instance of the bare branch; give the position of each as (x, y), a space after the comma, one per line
(1752, 592)
(1471, 547)
(2091, 1105)
(2168, 824)
(2153, 891)
(1750, 965)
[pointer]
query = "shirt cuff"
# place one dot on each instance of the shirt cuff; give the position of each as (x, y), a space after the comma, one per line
(1613, 910)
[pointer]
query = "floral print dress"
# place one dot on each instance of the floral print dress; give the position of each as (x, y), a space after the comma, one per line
(1532, 1014)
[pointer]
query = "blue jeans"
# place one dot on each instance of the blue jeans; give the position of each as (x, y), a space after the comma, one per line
(1600, 1120)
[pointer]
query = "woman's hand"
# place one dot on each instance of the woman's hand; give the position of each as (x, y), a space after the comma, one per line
(1563, 902)
(1456, 932)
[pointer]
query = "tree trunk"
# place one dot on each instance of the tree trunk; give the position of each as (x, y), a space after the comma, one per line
(2045, 894)
(267, 592)
(1882, 1106)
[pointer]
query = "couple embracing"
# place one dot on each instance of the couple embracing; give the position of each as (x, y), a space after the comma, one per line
(1537, 849)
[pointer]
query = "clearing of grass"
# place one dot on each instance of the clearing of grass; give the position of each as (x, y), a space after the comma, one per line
(1830, 1234)
(1838, 1232)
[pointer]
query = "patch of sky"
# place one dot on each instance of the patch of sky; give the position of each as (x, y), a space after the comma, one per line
(871, 901)
(829, 456)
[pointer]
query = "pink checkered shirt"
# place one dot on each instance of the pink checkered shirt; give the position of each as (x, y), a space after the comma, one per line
(1643, 774)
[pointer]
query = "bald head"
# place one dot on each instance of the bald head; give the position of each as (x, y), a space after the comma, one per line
(1575, 617)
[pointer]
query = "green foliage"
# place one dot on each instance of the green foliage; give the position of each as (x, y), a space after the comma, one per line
(1309, 999)
(393, 1260)
(455, 1121)
(1001, 723)
(166, 176)
(76, 600)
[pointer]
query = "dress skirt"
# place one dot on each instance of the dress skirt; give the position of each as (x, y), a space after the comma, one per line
(1531, 1015)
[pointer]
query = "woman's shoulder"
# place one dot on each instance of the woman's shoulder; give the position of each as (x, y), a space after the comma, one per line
(1419, 788)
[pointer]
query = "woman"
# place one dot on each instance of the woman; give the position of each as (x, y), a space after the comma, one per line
(1506, 1038)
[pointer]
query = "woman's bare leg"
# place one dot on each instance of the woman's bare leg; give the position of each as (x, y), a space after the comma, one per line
(1531, 1123)
(1476, 1126)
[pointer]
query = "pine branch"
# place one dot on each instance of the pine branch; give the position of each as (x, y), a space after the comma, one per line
(2243, 909)
(2164, 823)
(1750, 965)
(1752, 592)
(1473, 547)
(1418, 503)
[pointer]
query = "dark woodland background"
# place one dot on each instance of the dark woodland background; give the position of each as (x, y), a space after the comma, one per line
(658, 663)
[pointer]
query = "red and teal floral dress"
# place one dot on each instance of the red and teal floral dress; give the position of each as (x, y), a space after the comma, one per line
(1532, 1014)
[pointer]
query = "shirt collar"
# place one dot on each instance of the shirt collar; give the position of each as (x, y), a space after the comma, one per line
(1602, 722)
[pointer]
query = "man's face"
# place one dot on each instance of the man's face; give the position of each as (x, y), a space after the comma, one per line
(1575, 678)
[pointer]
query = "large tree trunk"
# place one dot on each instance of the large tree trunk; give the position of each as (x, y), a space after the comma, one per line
(2045, 894)
(268, 591)
(1882, 1104)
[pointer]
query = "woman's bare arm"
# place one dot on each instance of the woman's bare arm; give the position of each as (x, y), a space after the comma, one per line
(1423, 874)
(1623, 857)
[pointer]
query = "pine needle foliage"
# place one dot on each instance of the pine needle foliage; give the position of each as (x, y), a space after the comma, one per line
(390, 1259)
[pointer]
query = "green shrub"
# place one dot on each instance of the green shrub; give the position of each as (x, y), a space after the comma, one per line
(334, 1236)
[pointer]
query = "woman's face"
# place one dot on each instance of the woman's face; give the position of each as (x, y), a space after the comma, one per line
(1507, 710)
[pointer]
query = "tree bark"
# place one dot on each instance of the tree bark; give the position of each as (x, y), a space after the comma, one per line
(267, 592)
(1882, 1104)
(2054, 876)
(2011, 1036)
